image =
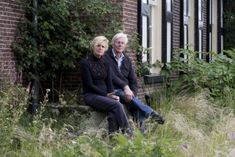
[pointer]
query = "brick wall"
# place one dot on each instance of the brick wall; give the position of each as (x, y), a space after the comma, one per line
(130, 16)
(10, 15)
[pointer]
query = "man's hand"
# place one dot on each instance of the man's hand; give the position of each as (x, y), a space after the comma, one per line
(128, 93)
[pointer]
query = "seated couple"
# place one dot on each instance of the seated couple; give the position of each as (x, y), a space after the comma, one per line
(108, 76)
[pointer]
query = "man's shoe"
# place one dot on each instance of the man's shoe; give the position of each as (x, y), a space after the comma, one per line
(156, 117)
(142, 126)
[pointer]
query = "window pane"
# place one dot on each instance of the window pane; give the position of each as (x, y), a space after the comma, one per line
(185, 36)
(222, 43)
(210, 12)
(185, 7)
(185, 40)
(168, 45)
(200, 44)
(221, 13)
(144, 35)
(199, 9)
(168, 5)
(210, 41)
(144, 1)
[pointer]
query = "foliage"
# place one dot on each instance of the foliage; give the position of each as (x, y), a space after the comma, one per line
(56, 33)
(194, 74)
(194, 127)
(142, 68)
(229, 22)
(13, 100)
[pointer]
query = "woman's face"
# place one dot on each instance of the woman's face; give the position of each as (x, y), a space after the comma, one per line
(99, 49)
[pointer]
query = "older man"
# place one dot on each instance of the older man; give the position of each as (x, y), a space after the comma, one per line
(125, 80)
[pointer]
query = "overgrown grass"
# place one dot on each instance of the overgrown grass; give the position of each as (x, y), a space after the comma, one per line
(194, 127)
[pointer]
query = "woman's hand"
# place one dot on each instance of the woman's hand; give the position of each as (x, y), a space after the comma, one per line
(113, 96)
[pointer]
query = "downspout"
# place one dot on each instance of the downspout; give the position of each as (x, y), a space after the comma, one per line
(35, 82)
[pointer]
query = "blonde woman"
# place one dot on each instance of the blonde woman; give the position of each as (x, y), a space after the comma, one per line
(97, 86)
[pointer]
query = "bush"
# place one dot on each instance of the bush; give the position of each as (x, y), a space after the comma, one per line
(13, 101)
(57, 33)
(196, 74)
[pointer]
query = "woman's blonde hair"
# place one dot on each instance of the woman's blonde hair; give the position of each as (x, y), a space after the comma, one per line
(99, 39)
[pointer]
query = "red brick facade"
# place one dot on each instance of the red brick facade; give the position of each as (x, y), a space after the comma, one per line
(130, 16)
(10, 16)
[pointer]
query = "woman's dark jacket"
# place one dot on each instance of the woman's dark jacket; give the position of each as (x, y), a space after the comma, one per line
(96, 76)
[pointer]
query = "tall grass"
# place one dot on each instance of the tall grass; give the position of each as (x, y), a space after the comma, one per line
(194, 127)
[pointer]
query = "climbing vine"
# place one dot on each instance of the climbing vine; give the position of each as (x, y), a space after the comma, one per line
(56, 33)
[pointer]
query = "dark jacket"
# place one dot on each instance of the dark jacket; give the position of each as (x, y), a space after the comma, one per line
(96, 76)
(126, 76)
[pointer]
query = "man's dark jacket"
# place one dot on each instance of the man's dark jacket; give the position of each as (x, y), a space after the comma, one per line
(126, 76)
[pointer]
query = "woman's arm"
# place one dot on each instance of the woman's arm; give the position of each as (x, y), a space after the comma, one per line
(87, 79)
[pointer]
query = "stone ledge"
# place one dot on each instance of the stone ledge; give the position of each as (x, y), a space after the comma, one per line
(94, 121)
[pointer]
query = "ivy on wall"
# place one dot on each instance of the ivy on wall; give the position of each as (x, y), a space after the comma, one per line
(56, 33)
(229, 22)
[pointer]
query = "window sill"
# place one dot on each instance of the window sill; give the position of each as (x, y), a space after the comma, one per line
(153, 79)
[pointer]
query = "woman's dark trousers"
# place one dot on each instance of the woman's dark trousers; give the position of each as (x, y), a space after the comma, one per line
(117, 118)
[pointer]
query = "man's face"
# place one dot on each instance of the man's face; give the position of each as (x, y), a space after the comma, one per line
(119, 45)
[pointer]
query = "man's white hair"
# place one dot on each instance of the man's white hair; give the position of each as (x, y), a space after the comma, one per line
(120, 35)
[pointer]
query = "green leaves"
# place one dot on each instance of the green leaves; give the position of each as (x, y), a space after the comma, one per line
(60, 35)
(229, 22)
(197, 74)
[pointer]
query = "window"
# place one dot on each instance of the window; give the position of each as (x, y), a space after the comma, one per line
(150, 31)
(144, 17)
(167, 32)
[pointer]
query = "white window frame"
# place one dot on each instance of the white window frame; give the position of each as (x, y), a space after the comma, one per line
(144, 32)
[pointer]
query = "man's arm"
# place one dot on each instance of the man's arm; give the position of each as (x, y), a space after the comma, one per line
(132, 78)
(124, 86)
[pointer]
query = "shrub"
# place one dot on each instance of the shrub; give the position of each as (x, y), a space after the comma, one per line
(56, 34)
(195, 74)
(13, 100)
